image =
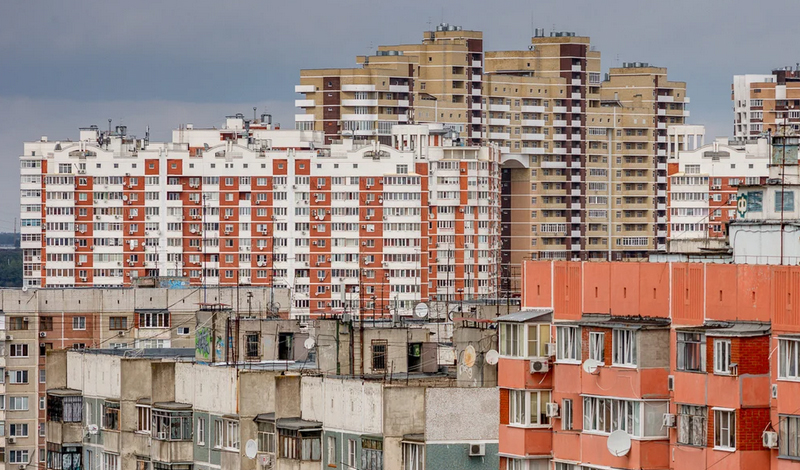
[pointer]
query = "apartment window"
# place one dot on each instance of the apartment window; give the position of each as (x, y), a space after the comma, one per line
(788, 355)
(42, 376)
(19, 350)
(789, 436)
(21, 456)
(605, 415)
(691, 352)
(331, 451)
(78, 323)
(784, 201)
(46, 323)
(521, 340)
(18, 376)
(252, 341)
(118, 323)
(692, 425)
(568, 343)
(219, 427)
(183, 331)
(379, 352)
(110, 461)
(624, 346)
(156, 319)
(300, 445)
(228, 437)
(413, 456)
(351, 453)
(725, 429)
(111, 416)
(143, 418)
(17, 403)
(266, 438)
(371, 454)
(285, 346)
(172, 425)
(527, 408)
(68, 409)
(201, 431)
(566, 414)
(722, 356)
(597, 346)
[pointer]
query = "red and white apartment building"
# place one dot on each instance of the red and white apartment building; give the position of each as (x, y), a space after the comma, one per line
(248, 204)
(688, 365)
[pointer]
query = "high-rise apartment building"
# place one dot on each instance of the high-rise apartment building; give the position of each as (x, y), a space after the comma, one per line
(436, 81)
(584, 159)
(762, 103)
(399, 224)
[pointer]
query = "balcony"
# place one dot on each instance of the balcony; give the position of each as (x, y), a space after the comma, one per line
(665, 99)
(575, 137)
(662, 112)
(661, 139)
(359, 102)
(303, 117)
(477, 77)
(575, 234)
(662, 125)
(499, 107)
(575, 192)
(662, 179)
(576, 110)
(476, 92)
(305, 89)
(575, 247)
(359, 117)
(478, 121)
(559, 109)
(402, 118)
(477, 106)
(532, 136)
(661, 152)
(576, 68)
(304, 103)
(499, 122)
(575, 123)
(575, 150)
(575, 220)
(532, 109)
(499, 135)
(533, 122)
(661, 233)
(575, 96)
(560, 137)
(559, 123)
(686, 99)
(576, 82)
(398, 89)
(661, 247)
(358, 87)
(554, 164)
(477, 63)
(532, 151)
(686, 113)
(560, 150)
(403, 104)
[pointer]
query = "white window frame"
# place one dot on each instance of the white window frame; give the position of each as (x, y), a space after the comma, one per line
(597, 346)
(519, 339)
(144, 419)
(519, 408)
(687, 417)
(413, 456)
(331, 454)
(723, 442)
(201, 431)
(79, 323)
(567, 415)
(686, 338)
(603, 415)
(568, 344)
(623, 344)
(722, 356)
(789, 359)
(351, 453)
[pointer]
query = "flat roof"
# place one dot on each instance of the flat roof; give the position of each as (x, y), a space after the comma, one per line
(538, 313)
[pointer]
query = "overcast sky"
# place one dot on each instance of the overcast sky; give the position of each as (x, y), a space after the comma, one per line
(65, 64)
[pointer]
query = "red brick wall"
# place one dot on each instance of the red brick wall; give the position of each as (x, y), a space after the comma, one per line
(750, 423)
(607, 343)
(503, 406)
(752, 355)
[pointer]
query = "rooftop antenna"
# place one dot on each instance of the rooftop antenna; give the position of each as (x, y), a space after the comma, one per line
(109, 125)
(254, 113)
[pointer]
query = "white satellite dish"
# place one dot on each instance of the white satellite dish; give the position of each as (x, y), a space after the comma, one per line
(421, 310)
(492, 357)
(309, 343)
(619, 443)
(590, 366)
(124, 198)
(469, 356)
(92, 429)
(24, 288)
(250, 449)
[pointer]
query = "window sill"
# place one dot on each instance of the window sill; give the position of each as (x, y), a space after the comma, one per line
(530, 426)
(693, 371)
(696, 446)
(725, 449)
(789, 379)
(625, 366)
(567, 361)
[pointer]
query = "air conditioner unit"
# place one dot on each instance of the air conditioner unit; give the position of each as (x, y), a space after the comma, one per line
(368, 217)
(13, 440)
(539, 365)
(25, 319)
(775, 391)
(551, 410)
(477, 450)
(162, 435)
(769, 439)
(9, 338)
(43, 334)
(550, 349)
(668, 420)
(84, 278)
(670, 382)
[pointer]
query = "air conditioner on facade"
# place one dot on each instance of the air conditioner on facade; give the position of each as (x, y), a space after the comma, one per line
(539, 365)
(552, 410)
(550, 349)
(668, 420)
(769, 439)
(477, 450)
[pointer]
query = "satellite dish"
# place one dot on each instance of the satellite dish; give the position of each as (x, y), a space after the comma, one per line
(590, 366)
(492, 357)
(250, 449)
(469, 356)
(309, 343)
(92, 429)
(421, 310)
(24, 288)
(124, 198)
(619, 443)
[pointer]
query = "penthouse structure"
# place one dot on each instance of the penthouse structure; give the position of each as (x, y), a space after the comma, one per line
(650, 365)
(365, 227)
(764, 102)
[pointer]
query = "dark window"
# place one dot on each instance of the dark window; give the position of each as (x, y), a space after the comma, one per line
(46, 323)
(379, 348)
(63, 458)
(111, 416)
(371, 454)
(300, 445)
(118, 323)
(172, 425)
(251, 341)
(65, 409)
(691, 352)
(18, 323)
(285, 346)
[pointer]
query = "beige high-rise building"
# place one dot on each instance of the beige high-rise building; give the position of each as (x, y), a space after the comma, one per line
(584, 159)
(763, 103)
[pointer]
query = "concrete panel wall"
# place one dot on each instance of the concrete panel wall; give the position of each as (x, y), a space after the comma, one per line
(97, 375)
(348, 405)
(461, 414)
(211, 389)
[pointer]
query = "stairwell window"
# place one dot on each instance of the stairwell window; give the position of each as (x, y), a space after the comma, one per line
(624, 346)
(78, 323)
(568, 344)
(722, 356)
(379, 352)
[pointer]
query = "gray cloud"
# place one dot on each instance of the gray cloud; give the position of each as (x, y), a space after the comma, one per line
(68, 64)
